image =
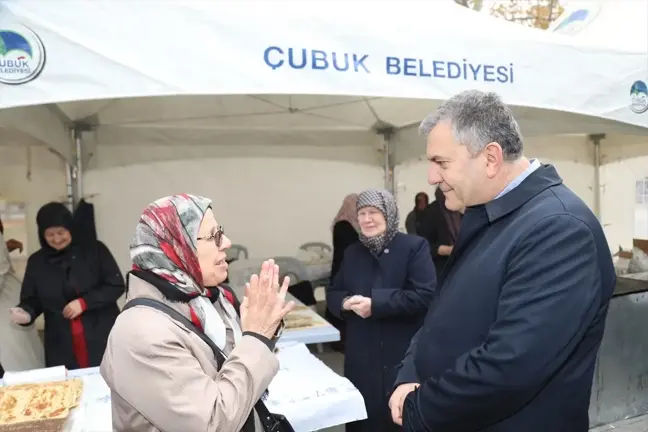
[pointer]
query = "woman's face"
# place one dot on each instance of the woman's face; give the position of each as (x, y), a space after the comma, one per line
(211, 256)
(58, 238)
(372, 221)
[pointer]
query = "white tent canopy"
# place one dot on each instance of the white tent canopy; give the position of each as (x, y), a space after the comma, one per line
(298, 73)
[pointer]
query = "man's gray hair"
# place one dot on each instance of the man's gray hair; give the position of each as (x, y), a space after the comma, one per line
(477, 119)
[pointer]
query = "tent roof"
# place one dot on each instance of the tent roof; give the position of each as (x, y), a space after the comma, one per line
(209, 72)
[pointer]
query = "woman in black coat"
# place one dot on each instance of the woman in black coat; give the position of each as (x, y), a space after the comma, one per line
(76, 286)
(345, 232)
(440, 227)
(382, 291)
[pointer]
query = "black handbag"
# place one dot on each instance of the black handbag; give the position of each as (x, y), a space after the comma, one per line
(271, 422)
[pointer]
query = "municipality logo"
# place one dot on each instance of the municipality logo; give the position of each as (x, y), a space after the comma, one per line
(22, 54)
(639, 97)
(577, 20)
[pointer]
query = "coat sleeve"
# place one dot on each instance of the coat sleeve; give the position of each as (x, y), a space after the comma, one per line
(338, 291)
(406, 370)
(178, 395)
(112, 284)
(29, 300)
(551, 294)
(414, 298)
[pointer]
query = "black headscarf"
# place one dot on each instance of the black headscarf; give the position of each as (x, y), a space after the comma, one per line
(452, 218)
(53, 214)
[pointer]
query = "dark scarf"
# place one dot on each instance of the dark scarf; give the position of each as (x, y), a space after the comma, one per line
(452, 218)
(54, 214)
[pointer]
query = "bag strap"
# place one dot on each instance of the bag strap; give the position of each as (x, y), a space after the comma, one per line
(163, 307)
(270, 424)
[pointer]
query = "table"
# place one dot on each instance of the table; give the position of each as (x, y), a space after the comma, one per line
(305, 390)
(323, 333)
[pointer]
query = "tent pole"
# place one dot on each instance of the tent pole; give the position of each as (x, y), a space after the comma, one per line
(77, 169)
(596, 140)
(388, 165)
(69, 186)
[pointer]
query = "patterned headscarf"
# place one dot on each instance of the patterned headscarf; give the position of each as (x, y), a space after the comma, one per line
(348, 212)
(385, 202)
(165, 240)
(165, 244)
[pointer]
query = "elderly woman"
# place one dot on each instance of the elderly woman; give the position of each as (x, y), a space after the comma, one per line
(75, 285)
(195, 367)
(382, 291)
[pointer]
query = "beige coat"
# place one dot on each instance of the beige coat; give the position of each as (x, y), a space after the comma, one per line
(163, 377)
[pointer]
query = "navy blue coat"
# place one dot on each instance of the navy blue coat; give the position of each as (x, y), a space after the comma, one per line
(400, 283)
(510, 342)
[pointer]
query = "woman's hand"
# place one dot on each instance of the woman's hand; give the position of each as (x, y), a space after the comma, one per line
(264, 304)
(73, 309)
(359, 304)
(19, 316)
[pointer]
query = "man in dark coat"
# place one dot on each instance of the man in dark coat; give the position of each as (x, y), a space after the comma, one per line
(510, 342)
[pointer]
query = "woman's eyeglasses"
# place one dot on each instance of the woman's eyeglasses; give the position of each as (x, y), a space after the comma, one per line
(217, 237)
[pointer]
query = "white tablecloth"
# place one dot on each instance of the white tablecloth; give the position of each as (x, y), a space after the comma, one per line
(306, 391)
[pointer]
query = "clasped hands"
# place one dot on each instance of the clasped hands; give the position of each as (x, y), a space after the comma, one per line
(359, 304)
(264, 305)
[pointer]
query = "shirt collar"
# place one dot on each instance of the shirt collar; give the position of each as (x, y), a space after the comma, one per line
(534, 165)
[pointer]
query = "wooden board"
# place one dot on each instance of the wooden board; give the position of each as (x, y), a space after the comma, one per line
(56, 425)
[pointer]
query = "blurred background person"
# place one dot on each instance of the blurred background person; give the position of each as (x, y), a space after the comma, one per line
(413, 221)
(12, 244)
(20, 347)
(440, 229)
(75, 285)
(345, 230)
(382, 291)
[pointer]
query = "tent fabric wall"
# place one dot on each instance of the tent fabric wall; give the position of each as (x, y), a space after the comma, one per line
(270, 205)
(32, 175)
(311, 181)
(624, 162)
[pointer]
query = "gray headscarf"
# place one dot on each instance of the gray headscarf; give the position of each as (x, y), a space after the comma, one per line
(385, 202)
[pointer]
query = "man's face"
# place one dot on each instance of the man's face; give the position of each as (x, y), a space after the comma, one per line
(459, 175)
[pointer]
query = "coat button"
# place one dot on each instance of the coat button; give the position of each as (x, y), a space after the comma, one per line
(386, 250)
